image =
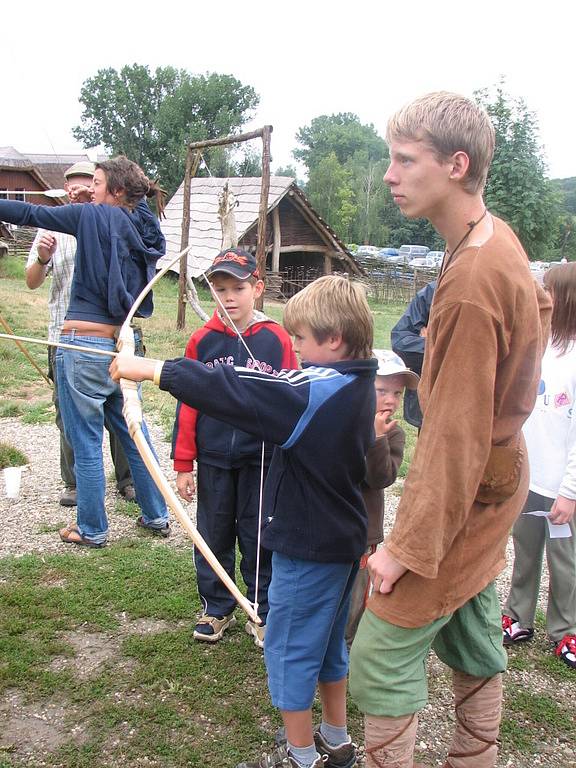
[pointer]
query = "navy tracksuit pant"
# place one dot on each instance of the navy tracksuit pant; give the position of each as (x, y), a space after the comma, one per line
(227, 512)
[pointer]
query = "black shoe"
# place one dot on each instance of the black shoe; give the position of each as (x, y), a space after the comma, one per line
(164, 531)
(279, 758)
(343, 756)
(128, 493)
(513, 633)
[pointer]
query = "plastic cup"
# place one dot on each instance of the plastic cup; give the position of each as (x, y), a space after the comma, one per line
(12, 476)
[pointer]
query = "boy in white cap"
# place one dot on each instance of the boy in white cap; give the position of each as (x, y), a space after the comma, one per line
(383, 461)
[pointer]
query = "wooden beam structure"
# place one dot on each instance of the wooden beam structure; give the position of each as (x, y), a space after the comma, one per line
(192, 163)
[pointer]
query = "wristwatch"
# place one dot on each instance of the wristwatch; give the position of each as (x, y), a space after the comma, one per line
(44, 263)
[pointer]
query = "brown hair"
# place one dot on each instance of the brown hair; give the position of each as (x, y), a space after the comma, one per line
(560, 281)
(449, 123)
(333, 305)
(122, 175)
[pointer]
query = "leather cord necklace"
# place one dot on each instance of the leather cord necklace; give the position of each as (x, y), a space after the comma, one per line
(450, 254)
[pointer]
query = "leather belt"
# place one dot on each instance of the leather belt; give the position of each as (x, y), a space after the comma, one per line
(111, 334)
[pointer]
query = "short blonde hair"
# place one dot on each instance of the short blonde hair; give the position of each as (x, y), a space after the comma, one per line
(449, 123)
(333, 305)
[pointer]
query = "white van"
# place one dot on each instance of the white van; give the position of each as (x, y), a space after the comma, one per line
(409, 252)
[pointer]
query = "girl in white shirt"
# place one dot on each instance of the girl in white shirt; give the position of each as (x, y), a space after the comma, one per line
(550, 434)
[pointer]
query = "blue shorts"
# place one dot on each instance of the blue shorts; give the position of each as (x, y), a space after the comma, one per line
(305, 643)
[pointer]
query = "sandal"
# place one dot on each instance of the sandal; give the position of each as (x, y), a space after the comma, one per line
(209, 629)
(566, 650)
(513, 633)
(71, 535)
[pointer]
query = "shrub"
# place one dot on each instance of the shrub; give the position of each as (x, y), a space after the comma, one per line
(11, 456)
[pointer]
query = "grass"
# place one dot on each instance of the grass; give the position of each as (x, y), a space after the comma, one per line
(159, 695)
(533, 719)
(11, 456)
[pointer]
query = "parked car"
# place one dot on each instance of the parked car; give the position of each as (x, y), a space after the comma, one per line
(366, 251)
(387, 253)
(409, 252)
(435, 258)
(420, 261)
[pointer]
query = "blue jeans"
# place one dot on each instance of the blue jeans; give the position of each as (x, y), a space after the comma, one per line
(87, 397)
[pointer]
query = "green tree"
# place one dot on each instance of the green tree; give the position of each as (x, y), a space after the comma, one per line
(343, 134)
(288, 170)
(349, 157)
(331, 194)
(150, 117)
(517, 188)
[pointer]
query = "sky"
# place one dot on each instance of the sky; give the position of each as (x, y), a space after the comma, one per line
(304, 59)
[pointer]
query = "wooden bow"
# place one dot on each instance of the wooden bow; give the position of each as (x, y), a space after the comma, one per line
(132, 412)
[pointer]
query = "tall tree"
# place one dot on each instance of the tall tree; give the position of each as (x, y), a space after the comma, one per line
(150, 117)
(330, 193)
(517, 187)
(348, 156)
(343, 134)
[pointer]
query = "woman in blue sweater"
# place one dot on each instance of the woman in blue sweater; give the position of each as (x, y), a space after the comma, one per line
(118, 244)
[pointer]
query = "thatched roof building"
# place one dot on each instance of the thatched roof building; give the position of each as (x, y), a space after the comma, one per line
(297, 238)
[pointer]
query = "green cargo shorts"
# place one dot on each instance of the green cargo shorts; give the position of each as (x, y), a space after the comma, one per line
(388, 663)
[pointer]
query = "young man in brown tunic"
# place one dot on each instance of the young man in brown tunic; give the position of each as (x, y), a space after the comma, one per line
(433, 578)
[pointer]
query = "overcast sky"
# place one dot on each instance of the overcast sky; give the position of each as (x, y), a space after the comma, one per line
(304, 59)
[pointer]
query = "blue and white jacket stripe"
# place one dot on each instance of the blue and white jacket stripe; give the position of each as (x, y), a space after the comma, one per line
(321, 420)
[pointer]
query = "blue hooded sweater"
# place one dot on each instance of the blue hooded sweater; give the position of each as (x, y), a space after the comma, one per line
(321, 420)
(116, 254)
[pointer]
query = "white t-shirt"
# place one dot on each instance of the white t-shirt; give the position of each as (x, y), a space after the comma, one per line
(550, 430)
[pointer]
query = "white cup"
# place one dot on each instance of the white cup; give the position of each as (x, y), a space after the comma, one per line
(12, 476)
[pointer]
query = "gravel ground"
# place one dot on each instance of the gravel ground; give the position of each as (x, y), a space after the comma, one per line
(30, 524)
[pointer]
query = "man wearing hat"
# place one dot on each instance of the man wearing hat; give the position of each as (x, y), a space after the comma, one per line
(383, 461)
(53, 254)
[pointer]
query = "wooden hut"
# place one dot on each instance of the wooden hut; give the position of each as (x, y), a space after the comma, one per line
(300, 245)
(19, 174)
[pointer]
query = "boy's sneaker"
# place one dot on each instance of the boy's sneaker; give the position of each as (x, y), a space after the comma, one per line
(343, 756)
(209, 629)
(566, 650)
(279, 758)
(258, 632)
(513, 633)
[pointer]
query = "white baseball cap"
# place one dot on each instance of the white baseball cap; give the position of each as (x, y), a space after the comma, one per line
(389, 364)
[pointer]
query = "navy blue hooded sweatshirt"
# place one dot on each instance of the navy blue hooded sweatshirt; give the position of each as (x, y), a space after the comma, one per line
(321, 420)
(116, 254)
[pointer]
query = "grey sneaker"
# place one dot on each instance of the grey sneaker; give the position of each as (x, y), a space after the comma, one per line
(343, 756)
(69, 497)
(279, 758)
(209, 629)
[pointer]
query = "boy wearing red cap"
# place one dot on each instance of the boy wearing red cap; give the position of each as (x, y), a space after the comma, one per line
(228, 460)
